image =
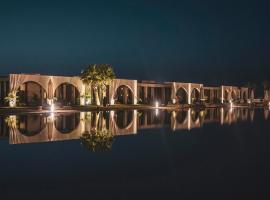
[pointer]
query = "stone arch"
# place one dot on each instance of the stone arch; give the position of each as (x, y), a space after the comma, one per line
(31, 93)
(182, 95)
(116, 83)
(123, 95)
(67, 94)
(195, 95)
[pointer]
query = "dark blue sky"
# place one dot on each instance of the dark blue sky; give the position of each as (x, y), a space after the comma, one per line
(201, 41)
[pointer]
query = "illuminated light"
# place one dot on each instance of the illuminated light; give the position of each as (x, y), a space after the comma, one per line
(52, 109)
(174, 114)
(156, 104)
(173, 101)
(112, 101)
(12, 103)
(50, 119)
(202, 113)
(248, 101)
(231, 103)
(88, 101)
(156, 112)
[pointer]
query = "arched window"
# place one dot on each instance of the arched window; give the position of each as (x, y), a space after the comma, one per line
(31, 94)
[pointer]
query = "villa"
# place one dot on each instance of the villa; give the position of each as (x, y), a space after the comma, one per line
(40, 90)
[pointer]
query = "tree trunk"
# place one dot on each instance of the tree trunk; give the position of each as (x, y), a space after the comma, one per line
(101, 96)
(97, 97)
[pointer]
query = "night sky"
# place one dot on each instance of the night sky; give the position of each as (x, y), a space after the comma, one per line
(213, 42)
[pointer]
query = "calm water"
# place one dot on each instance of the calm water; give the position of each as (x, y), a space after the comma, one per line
(151, 154)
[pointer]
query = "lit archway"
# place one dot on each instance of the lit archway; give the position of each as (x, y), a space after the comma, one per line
(182, 96)
(31, 94)
(123, 95)
(67, 94)
(195, 95)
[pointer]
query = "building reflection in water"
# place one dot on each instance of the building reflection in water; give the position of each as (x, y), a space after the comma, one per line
(95, 126)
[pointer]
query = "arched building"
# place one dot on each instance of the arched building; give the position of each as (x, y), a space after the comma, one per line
(39, 90)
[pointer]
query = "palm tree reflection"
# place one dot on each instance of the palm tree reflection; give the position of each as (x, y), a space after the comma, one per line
(97, 140)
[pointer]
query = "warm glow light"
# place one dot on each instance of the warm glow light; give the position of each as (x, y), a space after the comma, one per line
(88, 101)
(156, 104)
(231, 103)
(52, 108)
(50, 118)
(156, 112)
(12, 103)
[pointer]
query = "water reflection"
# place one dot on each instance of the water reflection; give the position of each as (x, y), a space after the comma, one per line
(97, 140)
(96, 129)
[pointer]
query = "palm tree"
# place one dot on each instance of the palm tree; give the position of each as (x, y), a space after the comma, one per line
(98, 76)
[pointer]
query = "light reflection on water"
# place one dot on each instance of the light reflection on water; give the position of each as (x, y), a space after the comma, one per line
(33, 128)
(164, 155)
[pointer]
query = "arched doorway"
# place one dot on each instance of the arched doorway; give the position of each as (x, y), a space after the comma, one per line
(182, 96)
(31, 94)
(123, 95)
(30, 125)
(123, 118)
(66, 123)
(195, 95)
(67, 94)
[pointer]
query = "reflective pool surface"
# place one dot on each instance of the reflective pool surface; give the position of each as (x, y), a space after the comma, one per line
(136, 154)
